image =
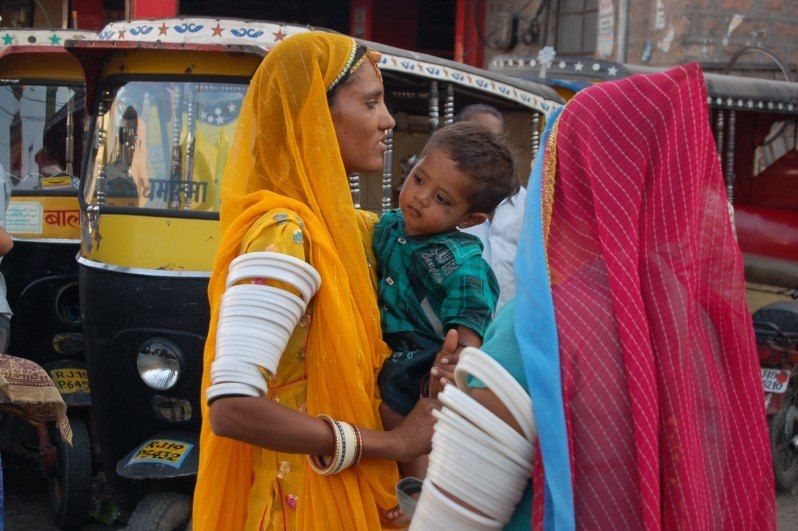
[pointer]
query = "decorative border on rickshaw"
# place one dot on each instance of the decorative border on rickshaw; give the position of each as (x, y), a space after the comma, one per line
(33, 37)
(598, 67)
(580, 65)
(200, 30)
(459, 77)
(750, 104)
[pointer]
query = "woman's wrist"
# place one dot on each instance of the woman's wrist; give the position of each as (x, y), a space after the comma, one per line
(382, 445)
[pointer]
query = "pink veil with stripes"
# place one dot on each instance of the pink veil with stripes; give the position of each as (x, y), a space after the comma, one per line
(663, 399)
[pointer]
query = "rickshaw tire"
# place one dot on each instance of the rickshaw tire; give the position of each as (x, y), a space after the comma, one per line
(786, 479)
(73, 478)
(161, 511)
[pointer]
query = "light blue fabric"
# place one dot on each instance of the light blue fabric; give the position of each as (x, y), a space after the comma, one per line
(501, 345)
(523, 339)
(536, 333)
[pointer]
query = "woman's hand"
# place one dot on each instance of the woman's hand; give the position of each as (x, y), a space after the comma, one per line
(414, 435)
(442, 372)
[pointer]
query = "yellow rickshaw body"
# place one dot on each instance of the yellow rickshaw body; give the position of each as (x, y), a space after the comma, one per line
(42, 216)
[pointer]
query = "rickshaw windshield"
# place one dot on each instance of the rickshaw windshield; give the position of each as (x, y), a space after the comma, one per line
(162, 144)
(41, 132)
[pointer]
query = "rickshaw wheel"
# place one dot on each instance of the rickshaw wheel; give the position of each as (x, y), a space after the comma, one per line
(70, 488)
(161, 511)
(785, 456)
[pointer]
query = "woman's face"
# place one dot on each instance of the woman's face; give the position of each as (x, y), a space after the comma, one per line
(361, 121)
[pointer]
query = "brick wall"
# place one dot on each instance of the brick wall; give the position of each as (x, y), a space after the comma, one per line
(769, 23)
(666, 32)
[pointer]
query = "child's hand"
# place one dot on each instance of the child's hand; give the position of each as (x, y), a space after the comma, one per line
(442, 372)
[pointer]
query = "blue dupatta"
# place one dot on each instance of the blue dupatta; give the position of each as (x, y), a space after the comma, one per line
(540, 351)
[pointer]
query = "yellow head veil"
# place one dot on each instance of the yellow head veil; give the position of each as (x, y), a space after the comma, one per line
(286, 155)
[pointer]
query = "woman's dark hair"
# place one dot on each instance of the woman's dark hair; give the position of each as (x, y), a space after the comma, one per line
(347, 77)
(484, 157)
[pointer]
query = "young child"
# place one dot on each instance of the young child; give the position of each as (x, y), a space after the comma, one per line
(432, 276)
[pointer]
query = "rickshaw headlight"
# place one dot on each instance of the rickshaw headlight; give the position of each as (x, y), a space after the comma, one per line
(159, 363)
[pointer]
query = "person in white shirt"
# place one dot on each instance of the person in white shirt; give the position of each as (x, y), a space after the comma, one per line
(500, 233)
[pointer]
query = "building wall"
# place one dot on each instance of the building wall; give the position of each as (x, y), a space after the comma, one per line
(666, 32)
(769, 23)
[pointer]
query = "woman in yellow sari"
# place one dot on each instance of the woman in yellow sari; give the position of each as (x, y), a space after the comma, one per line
(313, 113)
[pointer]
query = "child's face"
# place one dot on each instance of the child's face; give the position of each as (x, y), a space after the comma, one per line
(434, 198)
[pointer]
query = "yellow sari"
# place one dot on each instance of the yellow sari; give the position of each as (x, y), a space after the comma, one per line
(285, 156)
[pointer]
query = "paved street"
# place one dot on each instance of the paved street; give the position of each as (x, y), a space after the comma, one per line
(28, 504)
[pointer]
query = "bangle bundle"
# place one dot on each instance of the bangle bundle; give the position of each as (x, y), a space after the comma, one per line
(256, 321)
(348, 449)
(479, 465)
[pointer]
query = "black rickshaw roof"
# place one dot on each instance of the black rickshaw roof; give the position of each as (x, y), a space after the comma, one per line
(724, 91)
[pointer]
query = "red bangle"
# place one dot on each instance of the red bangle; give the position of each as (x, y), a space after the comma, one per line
(359, 450)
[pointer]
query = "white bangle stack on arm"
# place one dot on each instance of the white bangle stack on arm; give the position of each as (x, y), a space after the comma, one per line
(256, 321)
(479, 465)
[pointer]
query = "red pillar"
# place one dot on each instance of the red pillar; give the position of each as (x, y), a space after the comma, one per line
(87, 14)
(468, 46)
(361, 13)
(153, 8)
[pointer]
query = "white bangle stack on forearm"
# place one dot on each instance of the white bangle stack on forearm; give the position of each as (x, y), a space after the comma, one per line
(476, 457)
(256, 321)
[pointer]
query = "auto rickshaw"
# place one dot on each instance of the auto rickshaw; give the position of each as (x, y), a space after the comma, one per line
(41, 94)
(755, 122)
(164, 96)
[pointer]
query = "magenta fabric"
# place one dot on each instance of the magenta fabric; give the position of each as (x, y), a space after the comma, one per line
(661, 385)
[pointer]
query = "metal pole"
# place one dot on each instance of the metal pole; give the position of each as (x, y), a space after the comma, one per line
(623, 30)
(730, 157)
(720, 120)
(448, 106)
(535, 134)
(434, 114)
(99, 190)
(69, 144)
(354, 187)
(177, 128)
(191, 110)
(387, 174)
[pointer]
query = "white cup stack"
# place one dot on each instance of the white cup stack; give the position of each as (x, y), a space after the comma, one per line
(256, 321)
(479, 465)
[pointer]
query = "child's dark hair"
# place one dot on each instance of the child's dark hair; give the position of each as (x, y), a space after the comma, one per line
(484, 157)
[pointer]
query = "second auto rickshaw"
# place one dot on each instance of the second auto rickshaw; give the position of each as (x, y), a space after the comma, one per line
(41, 95)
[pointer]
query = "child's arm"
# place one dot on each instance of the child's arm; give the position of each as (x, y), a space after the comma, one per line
(467, 338)
(6, 243)
(442, 372)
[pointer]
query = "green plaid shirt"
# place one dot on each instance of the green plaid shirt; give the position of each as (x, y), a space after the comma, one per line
(429, 284)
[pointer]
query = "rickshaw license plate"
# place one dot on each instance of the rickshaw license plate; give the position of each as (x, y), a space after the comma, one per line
(162, 452)
(71, 380)
(775, 380)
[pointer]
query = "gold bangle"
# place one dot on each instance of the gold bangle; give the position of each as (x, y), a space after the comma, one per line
(317, 462)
